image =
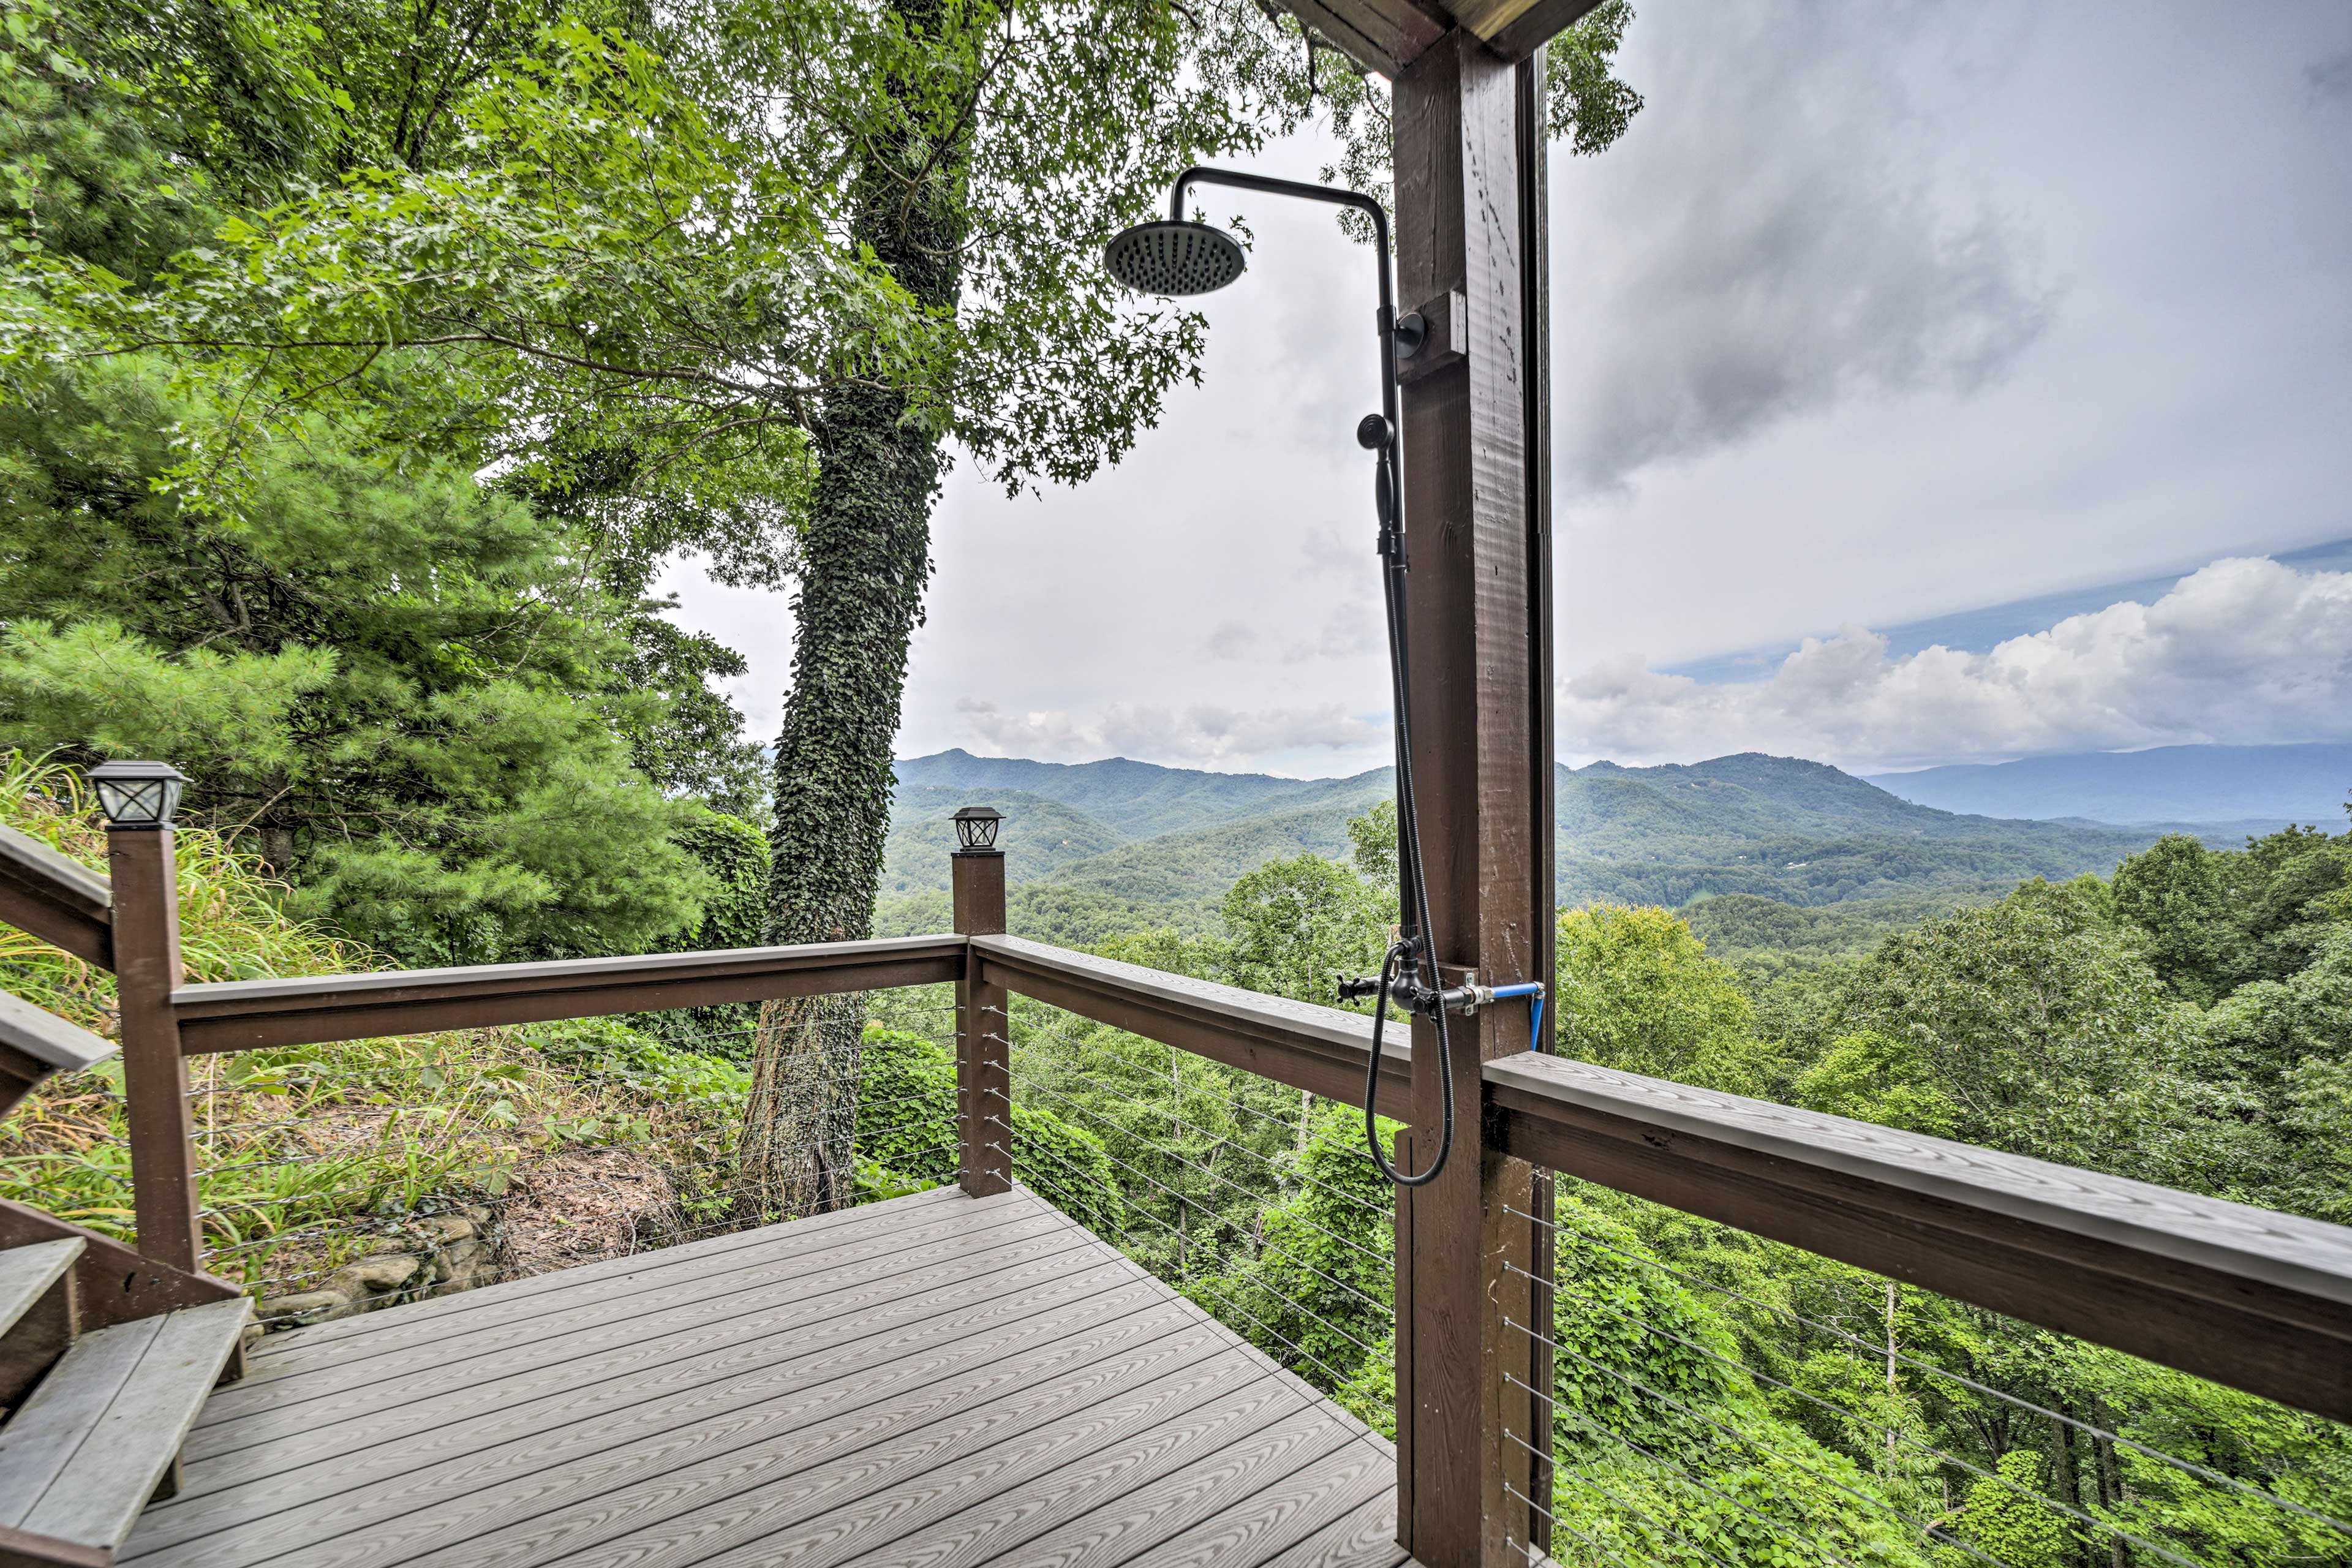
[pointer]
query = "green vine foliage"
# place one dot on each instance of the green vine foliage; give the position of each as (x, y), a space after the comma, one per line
(733, 854)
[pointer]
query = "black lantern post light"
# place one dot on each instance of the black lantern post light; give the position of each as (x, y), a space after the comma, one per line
(1178, 256)
(976, 829)
(138, 794)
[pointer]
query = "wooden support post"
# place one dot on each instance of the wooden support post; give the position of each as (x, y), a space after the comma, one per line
(983, 1033)
(154, 1073)
(1469, 1429)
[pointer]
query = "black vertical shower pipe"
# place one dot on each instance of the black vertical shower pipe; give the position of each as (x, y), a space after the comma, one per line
(1413, 892)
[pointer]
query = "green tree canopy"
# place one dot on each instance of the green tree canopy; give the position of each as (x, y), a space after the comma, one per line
(405, 685)
(1637, 991)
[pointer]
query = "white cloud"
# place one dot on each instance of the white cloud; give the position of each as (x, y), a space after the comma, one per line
(1201, 735)
(2244, 651)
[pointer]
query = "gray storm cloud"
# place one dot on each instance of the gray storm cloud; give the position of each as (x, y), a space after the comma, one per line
(1774, 239)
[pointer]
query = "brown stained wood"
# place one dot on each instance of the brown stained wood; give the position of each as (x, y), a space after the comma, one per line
(435, 1320)
(1515, 29)
(1379, 35)
(112, 1282)
(1387, 35)
(1071, 1401)
(244, 1015)
(2248, 1297)
(983, 1052)
(55, 897)
(154, 1074)
(1320, 1049)
(507, 1467)
(1477, 638)
(846, 1279)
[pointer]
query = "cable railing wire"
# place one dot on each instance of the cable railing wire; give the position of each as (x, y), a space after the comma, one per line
(1879, 1351)
(1340, 1379)
(1213, 1176)
(1359, 1294)
(1757, 1446)
(1289, 1124)
(1287, 1175)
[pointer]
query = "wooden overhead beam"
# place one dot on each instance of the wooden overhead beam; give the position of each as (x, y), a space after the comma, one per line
(1386, 36)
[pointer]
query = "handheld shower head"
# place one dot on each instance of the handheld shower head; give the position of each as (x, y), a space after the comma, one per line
(1175, 257)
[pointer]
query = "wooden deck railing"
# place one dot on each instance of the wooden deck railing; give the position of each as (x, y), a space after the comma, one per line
(2256, 1300)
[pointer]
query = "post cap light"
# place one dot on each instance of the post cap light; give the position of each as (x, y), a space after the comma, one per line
(138, 794)
(976, 827)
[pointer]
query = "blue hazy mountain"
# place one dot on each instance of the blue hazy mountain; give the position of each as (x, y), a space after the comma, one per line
(2264, 784)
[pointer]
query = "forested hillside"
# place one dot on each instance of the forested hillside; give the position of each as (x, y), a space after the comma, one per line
(1132, 836)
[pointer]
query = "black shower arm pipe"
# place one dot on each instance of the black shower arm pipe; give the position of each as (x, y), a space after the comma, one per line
(1332, 195)
(1412, 885)
(1392, 456)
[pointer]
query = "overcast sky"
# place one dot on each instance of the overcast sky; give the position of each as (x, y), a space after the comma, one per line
(1880, 314)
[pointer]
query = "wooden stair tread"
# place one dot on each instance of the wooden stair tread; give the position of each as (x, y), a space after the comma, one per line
(82, 1457)
(27, 1272)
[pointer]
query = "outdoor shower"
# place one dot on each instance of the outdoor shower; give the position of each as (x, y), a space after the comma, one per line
(1178, 256)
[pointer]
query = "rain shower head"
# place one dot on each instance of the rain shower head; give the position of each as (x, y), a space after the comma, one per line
(1175, 257)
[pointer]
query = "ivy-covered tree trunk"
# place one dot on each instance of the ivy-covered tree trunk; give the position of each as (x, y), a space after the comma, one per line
(865, 561)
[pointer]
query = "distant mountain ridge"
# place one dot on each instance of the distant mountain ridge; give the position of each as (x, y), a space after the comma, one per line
(1122, 835)
(2238, 785)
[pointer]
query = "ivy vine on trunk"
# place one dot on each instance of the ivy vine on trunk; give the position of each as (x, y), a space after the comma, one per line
(865, 561)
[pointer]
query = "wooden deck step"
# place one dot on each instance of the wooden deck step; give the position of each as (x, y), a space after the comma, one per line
(102, 1433)
(27, 1274)
(39, 1311)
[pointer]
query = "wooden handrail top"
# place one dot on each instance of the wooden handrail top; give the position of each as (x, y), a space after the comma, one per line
(2256, 1298)
(1320, 1049)
(243, 1015)
(51, 1042)
(55, 897)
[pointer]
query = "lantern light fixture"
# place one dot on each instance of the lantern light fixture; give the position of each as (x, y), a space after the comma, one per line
(976, 828)
(138, 794)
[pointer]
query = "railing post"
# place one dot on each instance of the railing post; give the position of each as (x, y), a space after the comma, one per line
(154, 1072)
(983, 1032)
(1471, 1428)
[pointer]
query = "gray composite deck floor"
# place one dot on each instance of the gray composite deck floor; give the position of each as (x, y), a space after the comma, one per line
(937, 1380)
